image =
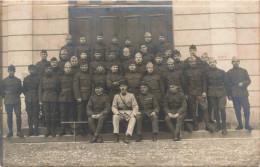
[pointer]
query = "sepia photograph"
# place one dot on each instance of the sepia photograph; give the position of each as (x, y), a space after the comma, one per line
(130, 83)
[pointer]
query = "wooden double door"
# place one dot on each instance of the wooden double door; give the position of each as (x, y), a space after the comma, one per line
(130, 22)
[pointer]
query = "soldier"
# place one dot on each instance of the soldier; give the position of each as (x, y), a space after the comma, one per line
(63, 59)
(238, 81)
(175, 107)
(66, 98)
(99, 77)
(100, 45)
(82, 88)
(156, 84)
(173, 77)
(178, 64)
(97, 61)
(98, 109)
(216, 88)
(158, 66)
(133, 79)
(125, 59)
(114, 46)
(204, 62)
(140, 64)
(166, 55)
(124, 107)
(148, 42)
(83, 47)
(11, 90)
(74, 65)
(148, 108)
(193, 51)
(111, 59)
(69, 47)
(54, 66)
(128, 45)
(163, 45)
(147, 57)
(195, 90)
(42, 64)
(112, 80)
(30, 91)
(48, 99)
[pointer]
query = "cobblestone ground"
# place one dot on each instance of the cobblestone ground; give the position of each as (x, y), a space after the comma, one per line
(190, 152)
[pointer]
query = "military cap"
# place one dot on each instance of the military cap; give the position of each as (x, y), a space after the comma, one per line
(43, 51)
(99, 85)
(67, 64)
(170, 60)
(144, 84)
(147, 34)
(74, 58)
(162, 34)
(176, 52)
(69, 36)
(98, 51)
(130, 62)
(149, 64)
(100, 34)
(115, 36)
(159, 54)
(192, 58)
(123, 82)
(31, 67)
(115, 64)
(235, 58)
(83, 51)
(84, 62)
(11, 68)
(193, 46)
(54, 59)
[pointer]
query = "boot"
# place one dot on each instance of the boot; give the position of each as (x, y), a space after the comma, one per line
(127, 139)
(36, 132)
(19, 133)
(30, 124)
(100, 139)
(116, 138)
(176, 137)
(209, 128)
(154, 136)
(239, 127)
(30, 133)
(195, 127)
(218, 128)
(62, 131)
(53, 133)
(48, 132)
(247, 126)
(139, 138)
(10, 134)
(94, 139)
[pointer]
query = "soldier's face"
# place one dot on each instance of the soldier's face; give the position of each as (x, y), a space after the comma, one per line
(161, 38)
(235, 63)
(43, 56)
(205, 58)
(84, 67)
(114, 69)
(48, 70)
(148, 38)
(158, 60)
(11, 73)
(97, 56)
(132, 67)
(126, 52)
(123, 88)
(168, 53)
(83, 55)
(114, 40)
(144, 90)
(193, 52)
(99, 38)
(74, 62)
(112, 55)
(32, 71)
(173, 88)
(213, 64)
(138, 58)
(149, 70)
(67, 69)
(192, 63)
(127, 42)
(177, 57)
(171, 66)
(82, 40)
(64, 54)
(69, 40)
(143, 49)
(98, 90)
(54, 64)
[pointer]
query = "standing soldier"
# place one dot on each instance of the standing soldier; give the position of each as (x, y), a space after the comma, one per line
(30, 91)
(11, 90)
(74, 65)
(54, 66)
(98, 109)
(238, 81)
(159, 68)
(99, 77)
(140, 64)
(148, 42)
(66, 97)
(111, 60)
(148, 108)
(178, 64)
(163, 45)
(193, 51)
(195, 91)
(126, 59)
(216, 88)
(83, 47)
(63, 59)
(82, 88)
(147, 57)
(42, 64)
(128, 45)
(114, 46)
(100, 45)
(124, 107)
(69, 47)
(175, 107)
(96, 61)
(48, 99)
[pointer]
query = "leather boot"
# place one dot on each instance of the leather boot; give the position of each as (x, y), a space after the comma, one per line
(247, 126)
(154, 136)
(127, 139)
(36, 131)
(30, 124)
(239, 127)
(48, 132)
(100, 139)
(94, 139)
(139, 138)
(116, 138)
(195, 126)
(10, 134)
(218, 128)
(19, 134)
(53, 133)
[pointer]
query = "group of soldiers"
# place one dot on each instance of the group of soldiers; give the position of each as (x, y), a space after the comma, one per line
(135, 83)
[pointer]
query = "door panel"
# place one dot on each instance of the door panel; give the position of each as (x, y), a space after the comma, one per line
(133, 29)
(108, 26)
(157, 25)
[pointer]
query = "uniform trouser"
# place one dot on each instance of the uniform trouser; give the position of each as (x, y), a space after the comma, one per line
(50, 112)
(32, 109)
(100, 122)
(67, 113)
(81, 114)
(239, 102)
(139, 124)
(219, 105)
(179, 121)
(9, 111)
(157, 93)
(131, 123)
(193, 102)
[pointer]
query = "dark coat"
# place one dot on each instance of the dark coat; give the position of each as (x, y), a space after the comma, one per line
(30, 88)
(133, 81)
(11, 90)
(98, 104)
(41, 66)
(66, 88)
(175, 103)
(147, 103)
(82, 85)
(48, 89)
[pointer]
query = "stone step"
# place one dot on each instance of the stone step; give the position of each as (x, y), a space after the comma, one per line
(146, 136)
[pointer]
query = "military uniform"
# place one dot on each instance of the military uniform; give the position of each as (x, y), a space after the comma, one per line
(174, 77)
(147, 57)
(61, 64)
(115, 47)
(75, 70)
(113, 88)
(70, 49)
(151, 47)
(66, 100)
(133, 80)
(82, 48)
(141, 68)
(30, 90)
(239, 94)
(41, 66)
(11, 90)
(48, 95)
(175, 103)
(179, 65)
(216, 88)
(163, 46)
(94, 64)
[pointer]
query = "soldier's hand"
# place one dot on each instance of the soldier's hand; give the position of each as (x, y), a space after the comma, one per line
(138, 113)
(176, 115)
(79, 100)
(170, 115)
(153, 114)
(204, 94)
(240, 84)
(229, 98)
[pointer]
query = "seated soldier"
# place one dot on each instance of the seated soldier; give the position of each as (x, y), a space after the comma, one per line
(124, 107)
(98, 109)
(175, 107)
(149, 108)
